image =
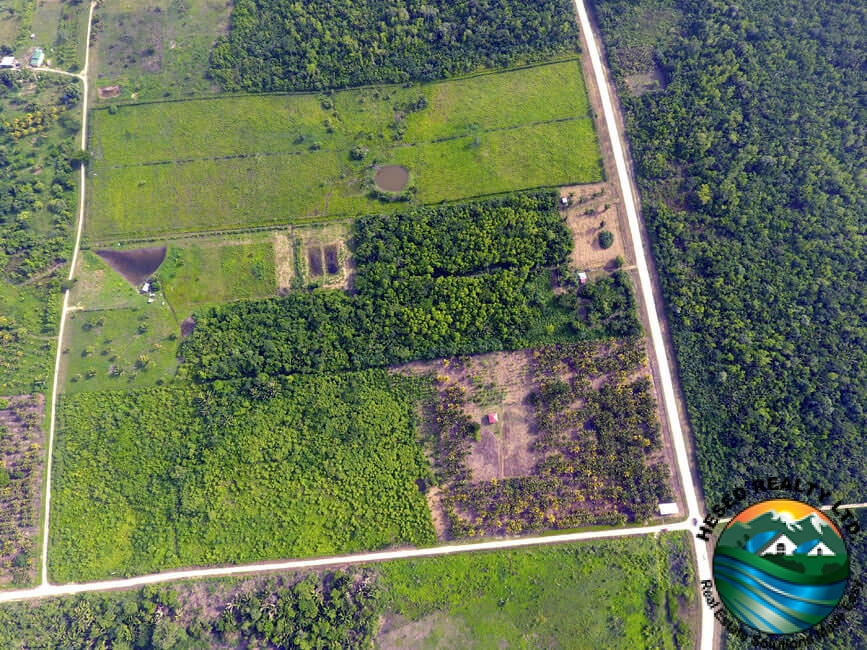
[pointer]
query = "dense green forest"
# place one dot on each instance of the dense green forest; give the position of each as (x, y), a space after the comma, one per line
(334, 610)
(436, 281)
(283, 45)
(236, 472)
(751, 165)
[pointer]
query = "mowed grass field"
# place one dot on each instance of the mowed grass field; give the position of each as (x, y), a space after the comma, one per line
(624, 593)
(198, 274)
(236, 162)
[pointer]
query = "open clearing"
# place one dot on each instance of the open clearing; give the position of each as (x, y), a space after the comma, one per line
(628, 593)
(158, 48)
(236, 162)
(571, 422)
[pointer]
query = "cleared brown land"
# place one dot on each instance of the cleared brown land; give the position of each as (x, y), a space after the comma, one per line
(546, 462)
(21, 480)
(591, 206)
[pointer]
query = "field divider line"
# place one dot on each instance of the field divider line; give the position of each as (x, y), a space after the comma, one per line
(49, 456)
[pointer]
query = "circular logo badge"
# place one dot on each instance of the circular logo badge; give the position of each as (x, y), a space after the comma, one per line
(780, 566)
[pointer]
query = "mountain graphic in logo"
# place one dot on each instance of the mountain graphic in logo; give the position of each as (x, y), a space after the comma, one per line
(780, 566)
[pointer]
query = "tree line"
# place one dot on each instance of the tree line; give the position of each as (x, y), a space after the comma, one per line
(750, 163)
(434, 281)
(280, 45)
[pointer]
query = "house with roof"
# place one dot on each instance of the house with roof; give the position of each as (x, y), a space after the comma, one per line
(822, 550)
(8, 62)
(37, 58)
(779, 545)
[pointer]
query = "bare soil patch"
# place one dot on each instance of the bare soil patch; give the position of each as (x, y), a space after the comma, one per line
(21, 469)
(645, 82)
(397, 632)
(391, 178)
(108, 92)
(136, 265)
(283, 262)
(591, 207)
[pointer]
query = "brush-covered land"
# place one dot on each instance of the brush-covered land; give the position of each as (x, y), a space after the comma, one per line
(236, 472)
(751, 164)
(38, 122)
(281, 45)
(545, 597)
(438, 281)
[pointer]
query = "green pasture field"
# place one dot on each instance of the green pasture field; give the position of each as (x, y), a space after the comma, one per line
(236, 162)
(622, 593)
(113, 324)
(10, 21)
(194, 275)
(120, 348)
(158, 48)
(182, 475)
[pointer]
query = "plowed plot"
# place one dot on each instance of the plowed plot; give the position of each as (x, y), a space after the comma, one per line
(575, 439)
(20, 478)
(137, 265)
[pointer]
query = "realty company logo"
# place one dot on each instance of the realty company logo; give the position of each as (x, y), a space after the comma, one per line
(780, 568)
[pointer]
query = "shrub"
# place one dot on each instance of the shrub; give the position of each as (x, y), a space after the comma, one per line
(606, 239)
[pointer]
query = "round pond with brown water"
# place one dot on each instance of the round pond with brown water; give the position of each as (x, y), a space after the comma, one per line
(391, 178)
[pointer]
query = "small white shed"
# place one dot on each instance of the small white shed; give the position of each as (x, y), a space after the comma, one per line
(666, 509)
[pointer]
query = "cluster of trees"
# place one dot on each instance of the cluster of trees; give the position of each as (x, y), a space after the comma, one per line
(605, 307)
(339, 610)
(32, 123)
(37, 199)
(332, 610)
(279, 45)
(237, 472)
(751, 168)
(434, 282)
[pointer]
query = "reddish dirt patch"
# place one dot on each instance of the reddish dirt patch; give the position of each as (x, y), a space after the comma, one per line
(136, 265)
(187, 326)
(108, 92)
